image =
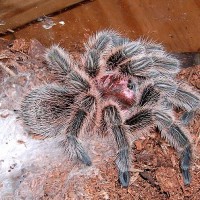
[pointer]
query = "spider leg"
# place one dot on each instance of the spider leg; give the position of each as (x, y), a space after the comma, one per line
(85, 110)
(78, 82)
(46, 109)
(60, 62)
(66, 71)
(138, 58)
(96, 46)
(151, 65)
(174, 94)
(178, 139)
(91, 63)
(119, 55)
(101, 40)
(187, 117)
(180, 95)
(151, 46)
(140, 120)
(169, 130)
(106, 38)
(149, 96)
(113, 121)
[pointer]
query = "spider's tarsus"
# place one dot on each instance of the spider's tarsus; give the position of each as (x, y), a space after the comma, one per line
(178, 139)
(83, 156)
(102, 42)
(185, 164)
(123, 166)
(186, 176)
(85, 159)
(124, 178)
(74, 148)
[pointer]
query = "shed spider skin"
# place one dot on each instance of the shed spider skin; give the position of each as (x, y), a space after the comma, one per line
(118, 87)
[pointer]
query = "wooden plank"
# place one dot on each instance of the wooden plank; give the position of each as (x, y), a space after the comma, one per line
(15, 13)
(176, 24)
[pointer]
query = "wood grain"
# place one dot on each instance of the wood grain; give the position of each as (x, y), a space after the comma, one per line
(174, 23)
(15, 13)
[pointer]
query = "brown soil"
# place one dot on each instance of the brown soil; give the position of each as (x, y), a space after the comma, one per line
(155, 172)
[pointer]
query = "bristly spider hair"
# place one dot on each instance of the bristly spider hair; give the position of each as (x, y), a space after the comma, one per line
(119, 87)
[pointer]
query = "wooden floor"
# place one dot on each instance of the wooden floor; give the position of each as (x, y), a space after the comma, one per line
(176, 23)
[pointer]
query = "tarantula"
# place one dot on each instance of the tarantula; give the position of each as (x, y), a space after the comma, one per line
(119, 87)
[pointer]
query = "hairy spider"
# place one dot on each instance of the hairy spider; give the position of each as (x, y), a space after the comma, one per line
(118, 87)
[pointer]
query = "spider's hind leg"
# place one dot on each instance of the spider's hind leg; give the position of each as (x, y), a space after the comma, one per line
(45, 110)
(178, 139)
(170, 131)
(182, 96)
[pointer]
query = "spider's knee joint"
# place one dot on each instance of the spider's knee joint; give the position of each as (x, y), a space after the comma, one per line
(187, 117)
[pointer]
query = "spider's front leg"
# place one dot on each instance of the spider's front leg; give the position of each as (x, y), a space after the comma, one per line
(139, 58)
(96, 46)
(104, 40)
(112, 120)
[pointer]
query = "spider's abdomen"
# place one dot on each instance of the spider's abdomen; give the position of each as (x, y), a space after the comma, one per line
(112, 86)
